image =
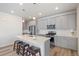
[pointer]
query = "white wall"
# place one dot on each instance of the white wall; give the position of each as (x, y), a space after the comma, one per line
(78, 27)
(10, 27)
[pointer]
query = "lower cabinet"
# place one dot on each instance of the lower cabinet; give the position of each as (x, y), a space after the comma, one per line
(66, 42)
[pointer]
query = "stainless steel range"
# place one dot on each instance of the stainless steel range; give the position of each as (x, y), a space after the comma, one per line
(51, 34)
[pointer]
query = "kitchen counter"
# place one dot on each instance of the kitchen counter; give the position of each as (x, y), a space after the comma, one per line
(39, 41)
(64, 33)
(72, 36)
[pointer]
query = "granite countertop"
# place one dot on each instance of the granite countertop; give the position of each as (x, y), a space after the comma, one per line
(34, 39)
(73, 36)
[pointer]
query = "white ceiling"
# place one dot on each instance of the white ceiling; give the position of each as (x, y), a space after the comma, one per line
(34, 9)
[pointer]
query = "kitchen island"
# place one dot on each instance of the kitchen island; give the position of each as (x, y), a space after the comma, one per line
(39, 41)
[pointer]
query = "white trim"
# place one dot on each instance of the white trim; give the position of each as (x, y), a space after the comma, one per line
(61, 14)
(6, 45)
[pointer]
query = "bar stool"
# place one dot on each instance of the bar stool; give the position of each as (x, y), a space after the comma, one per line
(32, 51)
(16, 44)
(23, 48)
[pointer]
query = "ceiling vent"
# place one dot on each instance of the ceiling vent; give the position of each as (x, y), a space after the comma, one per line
(34, 3)
(23, 10)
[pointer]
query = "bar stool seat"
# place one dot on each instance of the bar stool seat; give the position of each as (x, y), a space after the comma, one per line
(23, 48)
(32, 51)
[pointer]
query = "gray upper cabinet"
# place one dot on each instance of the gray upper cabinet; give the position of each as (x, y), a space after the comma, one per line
(62, 22)
(71, 21)
(66, 22)
(42, 23)
(51, 21)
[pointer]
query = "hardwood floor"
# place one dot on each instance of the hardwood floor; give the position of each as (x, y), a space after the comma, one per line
(56, 51)
(7, 51)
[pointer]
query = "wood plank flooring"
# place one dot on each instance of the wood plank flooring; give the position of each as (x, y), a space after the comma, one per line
(56, 51)
(7, 51)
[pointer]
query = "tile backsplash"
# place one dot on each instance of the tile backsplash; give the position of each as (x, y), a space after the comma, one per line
(59, 32)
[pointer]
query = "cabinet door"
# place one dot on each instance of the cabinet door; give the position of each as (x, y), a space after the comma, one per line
(66, 22)
(72, 43)
(58, 40)
(61, 22)
(71, 21)
(51, 21)
(66, 42)
(63, 42)
(42, 24)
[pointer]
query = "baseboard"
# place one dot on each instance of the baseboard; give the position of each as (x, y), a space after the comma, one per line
(5, 46)
(66, 48)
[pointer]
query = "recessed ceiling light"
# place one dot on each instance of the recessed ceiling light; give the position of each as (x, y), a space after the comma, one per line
(12, 11)
(34, 18)
(21, 4)
(40, 13)
(23, 10)
(56, 8)
(22, 20)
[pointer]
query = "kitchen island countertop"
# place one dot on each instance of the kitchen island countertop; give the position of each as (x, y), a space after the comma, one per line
(39, 41)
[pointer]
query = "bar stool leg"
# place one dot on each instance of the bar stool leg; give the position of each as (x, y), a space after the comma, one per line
(27, 53)
(23, 51)
(34, 54)
(17, 51)
(40, 53)
(14, 47)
